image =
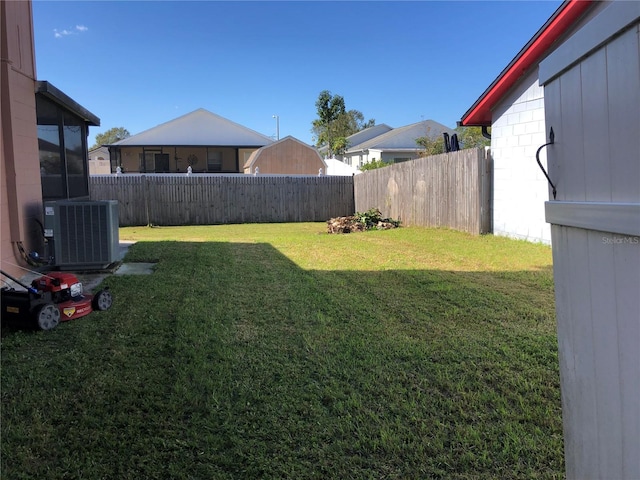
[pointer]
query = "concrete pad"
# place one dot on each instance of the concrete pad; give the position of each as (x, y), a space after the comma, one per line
(124, 248)
(137, 268)
(91, 279)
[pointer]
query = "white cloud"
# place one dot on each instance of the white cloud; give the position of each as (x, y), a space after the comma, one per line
(74, 31)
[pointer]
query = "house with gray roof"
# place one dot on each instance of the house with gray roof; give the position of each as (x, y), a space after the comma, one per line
(395, 145)
(202, 140)
(358, 138)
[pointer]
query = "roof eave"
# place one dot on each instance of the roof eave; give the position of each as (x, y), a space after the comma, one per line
(176, 145)
(58, 96)
(480, 112)
(384, 149)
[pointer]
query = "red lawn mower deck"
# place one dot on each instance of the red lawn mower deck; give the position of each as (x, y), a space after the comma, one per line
(54, 297)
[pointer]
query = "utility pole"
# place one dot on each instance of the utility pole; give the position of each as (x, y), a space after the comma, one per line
(277, 126)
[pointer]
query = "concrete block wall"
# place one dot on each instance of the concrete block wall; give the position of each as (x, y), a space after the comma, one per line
(520, 187)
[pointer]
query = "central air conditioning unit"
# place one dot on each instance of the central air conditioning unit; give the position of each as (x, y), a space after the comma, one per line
(84, 234)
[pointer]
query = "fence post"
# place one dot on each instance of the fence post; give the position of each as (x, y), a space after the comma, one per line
(145, 190)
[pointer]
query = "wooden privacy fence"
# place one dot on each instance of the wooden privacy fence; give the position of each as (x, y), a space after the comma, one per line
(448, 190)
(201, 199)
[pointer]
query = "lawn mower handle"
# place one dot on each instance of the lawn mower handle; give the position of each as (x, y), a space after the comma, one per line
(31, 289)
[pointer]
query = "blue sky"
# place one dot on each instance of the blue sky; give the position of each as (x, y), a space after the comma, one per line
(136, 64)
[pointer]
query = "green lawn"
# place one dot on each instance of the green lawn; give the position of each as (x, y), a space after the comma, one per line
(279, 351)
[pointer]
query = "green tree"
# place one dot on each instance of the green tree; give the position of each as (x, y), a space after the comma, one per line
(340, 144)
(468, 137)
(352, 122)
(334, 123)
(431, 146)
(471, 137)
(111, 136)
(373, 164)
(325, 128)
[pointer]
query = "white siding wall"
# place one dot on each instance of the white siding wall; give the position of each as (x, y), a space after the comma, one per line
(592, 97)
(357, 159)
(372, 155)
(520, 188)
(99, 167)
(99, 161)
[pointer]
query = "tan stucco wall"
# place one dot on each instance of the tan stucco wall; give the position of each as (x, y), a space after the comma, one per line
(184, 154)
(99, 161)
(179, 158)
(287, 157)
(130, 158)
(21, 198)
(243, 156)
(99, 167)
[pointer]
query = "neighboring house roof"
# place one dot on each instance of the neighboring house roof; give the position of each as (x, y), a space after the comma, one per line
(368, 133)
(362, 136)
(403, 138)
(198, 128)
(103, 150)
(562, 19)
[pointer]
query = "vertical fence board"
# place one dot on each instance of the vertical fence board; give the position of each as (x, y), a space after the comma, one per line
(449, 190)
(177, 199)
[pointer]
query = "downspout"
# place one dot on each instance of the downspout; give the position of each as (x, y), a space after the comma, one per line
(485, 132)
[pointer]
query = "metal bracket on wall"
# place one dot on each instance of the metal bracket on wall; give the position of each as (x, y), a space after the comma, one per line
(551, 140)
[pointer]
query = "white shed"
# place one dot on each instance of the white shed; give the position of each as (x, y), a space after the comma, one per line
(592, 102)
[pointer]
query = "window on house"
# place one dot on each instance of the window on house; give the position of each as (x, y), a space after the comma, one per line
(62, 151)
(214, 161)
(49, 151)
(148, 161)
(162, 163)
(74, 155)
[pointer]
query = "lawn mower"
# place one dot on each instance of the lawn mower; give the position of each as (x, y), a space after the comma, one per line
(53, 298)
